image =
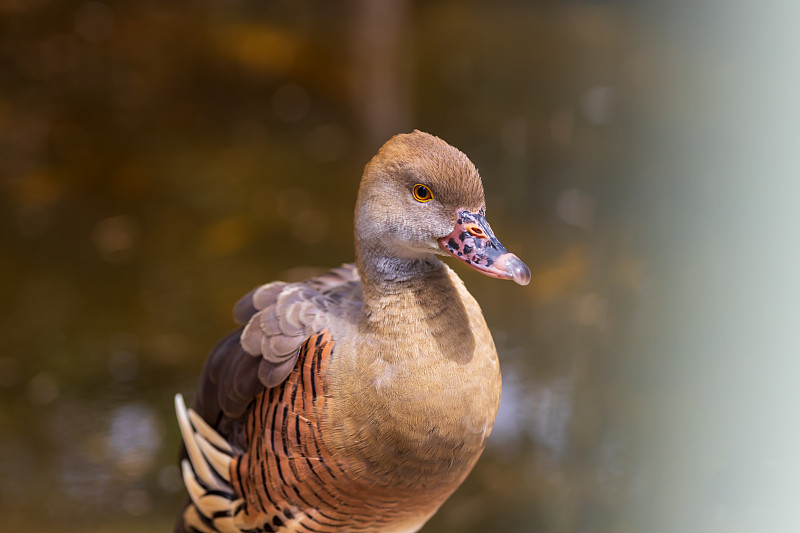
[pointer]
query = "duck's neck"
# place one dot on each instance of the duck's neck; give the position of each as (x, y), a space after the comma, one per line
(408, 299)
(394, 286)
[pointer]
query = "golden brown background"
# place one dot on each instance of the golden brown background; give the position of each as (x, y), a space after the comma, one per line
(159, 159)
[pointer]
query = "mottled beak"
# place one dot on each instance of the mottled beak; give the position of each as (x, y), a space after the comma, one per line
(473, 242)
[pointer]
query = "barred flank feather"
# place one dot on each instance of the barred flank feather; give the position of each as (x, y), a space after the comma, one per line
(206, 474)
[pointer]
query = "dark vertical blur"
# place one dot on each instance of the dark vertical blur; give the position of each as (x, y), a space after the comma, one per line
(159, 160)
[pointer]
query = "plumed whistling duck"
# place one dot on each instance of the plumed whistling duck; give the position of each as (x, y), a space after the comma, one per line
(358, 400)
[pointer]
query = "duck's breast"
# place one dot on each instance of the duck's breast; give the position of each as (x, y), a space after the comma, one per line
(415, 406)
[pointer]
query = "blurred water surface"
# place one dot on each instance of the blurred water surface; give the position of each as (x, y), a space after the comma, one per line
(160, 160)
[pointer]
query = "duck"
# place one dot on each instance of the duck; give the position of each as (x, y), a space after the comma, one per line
(360, 399)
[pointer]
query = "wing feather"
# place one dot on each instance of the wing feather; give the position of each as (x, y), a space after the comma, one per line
(276, 319)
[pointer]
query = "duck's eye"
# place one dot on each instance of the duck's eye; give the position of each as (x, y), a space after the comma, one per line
(422, 193)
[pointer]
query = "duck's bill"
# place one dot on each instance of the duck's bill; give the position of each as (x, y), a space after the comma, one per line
(473, 242)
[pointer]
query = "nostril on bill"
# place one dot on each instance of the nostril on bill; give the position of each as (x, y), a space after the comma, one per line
(475, 231)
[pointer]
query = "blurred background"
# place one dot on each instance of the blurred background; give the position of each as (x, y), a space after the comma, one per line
(160, 159)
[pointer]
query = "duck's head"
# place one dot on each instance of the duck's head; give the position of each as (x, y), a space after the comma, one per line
(419, 196)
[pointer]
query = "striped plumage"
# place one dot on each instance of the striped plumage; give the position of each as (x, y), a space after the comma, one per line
(358, 400)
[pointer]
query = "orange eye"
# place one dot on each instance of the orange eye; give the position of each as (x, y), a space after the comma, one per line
(422, 193)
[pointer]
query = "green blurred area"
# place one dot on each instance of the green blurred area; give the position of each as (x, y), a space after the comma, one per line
(158, 160)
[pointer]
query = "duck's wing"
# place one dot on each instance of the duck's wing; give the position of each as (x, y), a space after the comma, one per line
(276, 319)
(286, 479)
